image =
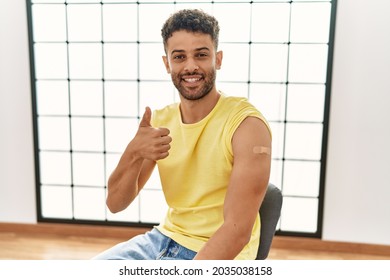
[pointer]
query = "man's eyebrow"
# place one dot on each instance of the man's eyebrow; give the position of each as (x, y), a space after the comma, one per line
(197, 50)
(202, 49)
(179, 51)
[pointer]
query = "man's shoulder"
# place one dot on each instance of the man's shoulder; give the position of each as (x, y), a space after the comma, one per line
(236, 103)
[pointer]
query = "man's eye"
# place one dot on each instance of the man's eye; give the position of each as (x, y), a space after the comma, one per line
(202, 55)
(178, 57)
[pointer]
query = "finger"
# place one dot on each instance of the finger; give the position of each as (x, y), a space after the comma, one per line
(161, 147)
(164, 140)
(162, 155)
(146, 118)
(164, 131)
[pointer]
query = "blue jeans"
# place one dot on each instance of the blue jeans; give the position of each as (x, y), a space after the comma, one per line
(152, 245)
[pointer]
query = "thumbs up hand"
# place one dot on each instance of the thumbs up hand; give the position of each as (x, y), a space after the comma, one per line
(149, 142)
(146, 118)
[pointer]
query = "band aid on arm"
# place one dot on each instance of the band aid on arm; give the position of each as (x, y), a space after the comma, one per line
(262, 150)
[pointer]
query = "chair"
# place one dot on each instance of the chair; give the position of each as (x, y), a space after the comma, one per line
(269, 215)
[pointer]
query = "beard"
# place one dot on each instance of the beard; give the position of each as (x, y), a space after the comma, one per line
(197, 92)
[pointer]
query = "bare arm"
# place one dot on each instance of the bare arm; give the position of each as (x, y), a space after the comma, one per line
(246, 190)
(137, 163)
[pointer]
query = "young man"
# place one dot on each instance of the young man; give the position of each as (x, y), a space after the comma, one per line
(213, 153)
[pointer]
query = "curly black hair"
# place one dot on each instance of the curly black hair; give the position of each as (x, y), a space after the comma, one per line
(193, 20)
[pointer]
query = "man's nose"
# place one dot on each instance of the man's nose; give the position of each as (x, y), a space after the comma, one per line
(191, 65)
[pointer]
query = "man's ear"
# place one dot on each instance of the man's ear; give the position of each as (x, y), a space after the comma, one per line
(218, 60)
(166, 63)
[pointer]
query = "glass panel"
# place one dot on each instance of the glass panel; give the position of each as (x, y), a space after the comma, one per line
(120, 22)
(269, 63)
(53, 133)
(151, 20)
(299, 214)
(233, 89)
(55, 168)
(80, 29)
(236, 30)
(50, 61)
(82, 1)
(310, 22)
(265, 16)
(276, 173)
(111, 163)
(246, 1)
(52, 98)
(306, 102)
(153, 206)
(277, 139)
(151, 66)
(120, 1)
(89, 203)
(308, 63)
(301, 178)
(86, 98)
(189, 4)
(156, 95)
(85, 61)
(53, 14)
(119, 132)
(88, 169)
(154, 1)
(269, 99)
(47, 1)
(87, 134)
(56, 202)
(121, 99)
(184, 1)
(235, 56)
(120, 61)
(303, 141)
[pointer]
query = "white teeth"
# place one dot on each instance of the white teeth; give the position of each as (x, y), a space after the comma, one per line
(192, 80)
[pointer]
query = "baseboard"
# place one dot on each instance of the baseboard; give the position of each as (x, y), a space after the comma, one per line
(119, 232)
(304, 243)
(74, 230)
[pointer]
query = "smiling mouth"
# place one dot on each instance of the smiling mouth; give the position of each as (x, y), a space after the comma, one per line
(192, 79)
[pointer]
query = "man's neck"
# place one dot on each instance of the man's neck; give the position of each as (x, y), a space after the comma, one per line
(193, 111)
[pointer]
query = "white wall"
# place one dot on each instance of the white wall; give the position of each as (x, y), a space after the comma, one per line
(357, 207)
(17, 180)
(357, 200)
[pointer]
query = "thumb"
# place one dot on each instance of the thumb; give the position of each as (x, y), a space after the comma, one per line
(145, 121)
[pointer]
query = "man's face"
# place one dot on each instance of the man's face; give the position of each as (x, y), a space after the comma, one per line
(192, 62)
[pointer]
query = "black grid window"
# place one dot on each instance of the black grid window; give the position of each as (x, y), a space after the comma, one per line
(97, 64)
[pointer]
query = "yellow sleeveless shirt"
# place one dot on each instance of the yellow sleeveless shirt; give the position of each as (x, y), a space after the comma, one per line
(196, 173)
